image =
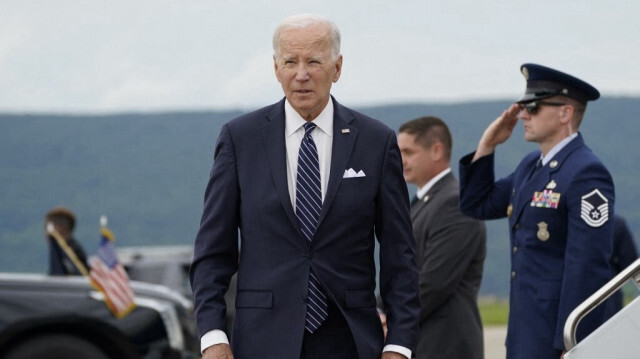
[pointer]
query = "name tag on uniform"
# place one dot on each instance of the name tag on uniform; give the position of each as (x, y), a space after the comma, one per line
(545, 199)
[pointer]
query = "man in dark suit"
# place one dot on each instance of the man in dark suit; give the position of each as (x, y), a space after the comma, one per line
(560, 203)
(450, 247)
(310, 184)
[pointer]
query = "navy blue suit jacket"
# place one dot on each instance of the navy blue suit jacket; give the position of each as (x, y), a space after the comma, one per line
(248, 191)
(560, 251)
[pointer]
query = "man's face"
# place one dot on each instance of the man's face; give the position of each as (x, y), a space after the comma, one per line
(417, 161)
(544, 126)
(306, 70)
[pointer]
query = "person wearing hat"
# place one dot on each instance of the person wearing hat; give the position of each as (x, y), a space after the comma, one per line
(559, 201)
(66, 256)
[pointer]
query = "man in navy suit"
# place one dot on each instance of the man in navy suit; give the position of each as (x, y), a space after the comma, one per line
(309, 185)
(560, 203)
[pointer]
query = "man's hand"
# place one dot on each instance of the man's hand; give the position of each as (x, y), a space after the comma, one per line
(218, 351)
(383, 320)
(498, 131)
(392, 355)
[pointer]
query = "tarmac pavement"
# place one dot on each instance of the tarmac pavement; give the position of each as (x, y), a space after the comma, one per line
(494, 337)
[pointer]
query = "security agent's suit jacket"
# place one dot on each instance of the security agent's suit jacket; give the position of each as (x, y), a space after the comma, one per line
(560, 223)
(450, 252)
(248, 190)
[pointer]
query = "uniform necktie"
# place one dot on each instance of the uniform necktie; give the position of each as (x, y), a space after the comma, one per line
(308, 206)
(536, 168)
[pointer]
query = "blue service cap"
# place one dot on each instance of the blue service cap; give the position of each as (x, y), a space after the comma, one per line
(543, 82)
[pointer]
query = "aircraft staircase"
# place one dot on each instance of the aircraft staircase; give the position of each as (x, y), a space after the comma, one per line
(619, 337)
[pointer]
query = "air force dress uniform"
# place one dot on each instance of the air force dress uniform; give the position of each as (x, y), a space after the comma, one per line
(561, 235)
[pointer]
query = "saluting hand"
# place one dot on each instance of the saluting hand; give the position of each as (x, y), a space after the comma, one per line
(218, 351)
(498, 131)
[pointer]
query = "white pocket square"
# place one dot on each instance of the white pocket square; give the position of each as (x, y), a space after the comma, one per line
(351, 173)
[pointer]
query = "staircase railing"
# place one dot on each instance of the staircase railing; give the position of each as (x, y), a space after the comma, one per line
(597, 298)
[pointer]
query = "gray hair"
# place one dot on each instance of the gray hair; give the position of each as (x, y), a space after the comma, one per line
(302, 21)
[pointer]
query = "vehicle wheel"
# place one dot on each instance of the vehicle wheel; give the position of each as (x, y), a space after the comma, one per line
(56, 346)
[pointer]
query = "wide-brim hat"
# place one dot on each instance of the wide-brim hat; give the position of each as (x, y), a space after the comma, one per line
(544, 82)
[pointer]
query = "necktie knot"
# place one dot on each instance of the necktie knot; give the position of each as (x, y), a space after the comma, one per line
(308, 128)
(536, 168)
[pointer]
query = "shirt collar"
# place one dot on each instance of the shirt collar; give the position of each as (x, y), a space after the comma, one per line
(557, 148)
(293, 120)
(423, 191)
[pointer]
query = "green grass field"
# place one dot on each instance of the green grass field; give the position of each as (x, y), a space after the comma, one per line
(494, 312)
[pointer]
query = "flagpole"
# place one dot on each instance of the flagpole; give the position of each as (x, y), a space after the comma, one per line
(67, 250)
(110, 277)
(104, 230)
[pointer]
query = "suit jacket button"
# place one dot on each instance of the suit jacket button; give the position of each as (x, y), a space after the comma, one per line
(513, 274)
(516, 226)
(515, 249)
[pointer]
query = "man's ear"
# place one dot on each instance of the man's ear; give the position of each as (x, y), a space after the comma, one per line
(437, 151)
(275, 68)
(567, 113)
(338, 67)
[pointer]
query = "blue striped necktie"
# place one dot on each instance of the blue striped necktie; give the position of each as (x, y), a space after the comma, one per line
(308, 206)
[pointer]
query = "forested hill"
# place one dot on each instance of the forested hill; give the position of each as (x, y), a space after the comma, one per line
(147, 172)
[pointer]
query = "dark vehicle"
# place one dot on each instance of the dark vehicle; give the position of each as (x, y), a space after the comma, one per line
(166, 265)
(169, 266)
(65, 317)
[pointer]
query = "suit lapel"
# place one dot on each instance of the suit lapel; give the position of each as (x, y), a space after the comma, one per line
(528, 186)
(415, 209)
(275, 147)
(344, 138)
(422, 204)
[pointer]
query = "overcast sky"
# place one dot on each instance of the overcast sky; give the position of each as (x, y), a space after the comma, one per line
(131, 55)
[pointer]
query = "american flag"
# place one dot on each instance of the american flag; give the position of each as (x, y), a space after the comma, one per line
(108, 276)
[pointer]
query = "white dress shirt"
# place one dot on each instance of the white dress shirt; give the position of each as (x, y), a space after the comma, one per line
(323, 138)
(422, 191)
(554, 151)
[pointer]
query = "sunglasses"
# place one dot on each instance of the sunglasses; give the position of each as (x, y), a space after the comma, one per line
(533, 107)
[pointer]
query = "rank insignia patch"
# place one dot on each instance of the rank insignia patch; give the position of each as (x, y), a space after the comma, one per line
(545, 199)
(594, 208)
